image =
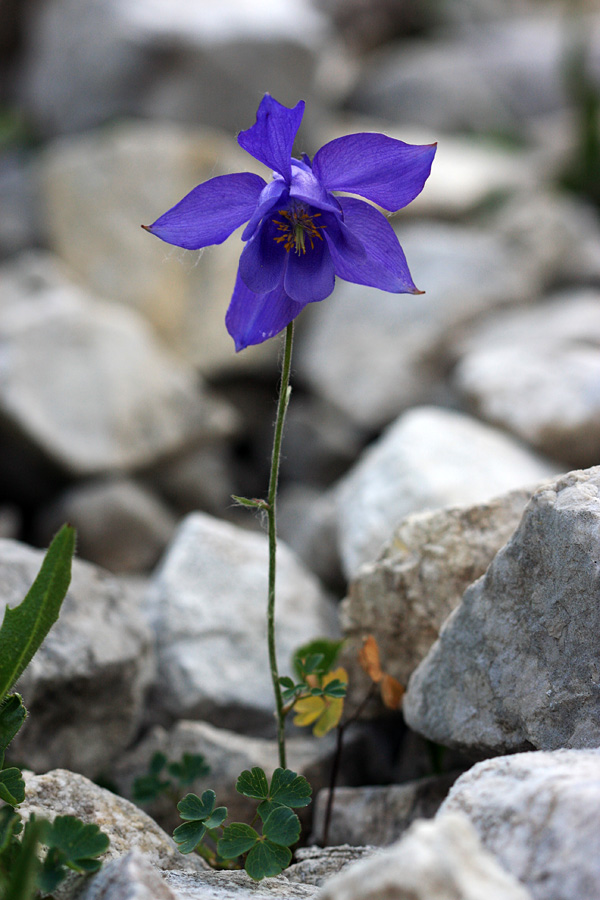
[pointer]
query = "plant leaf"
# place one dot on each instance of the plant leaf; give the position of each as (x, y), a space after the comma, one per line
(80, 842)
(12, 716)
(289, 789)
(196, 809)
(25, 626)
(267, 859)
(12, 786)
(157, 763)
(24, 871)
(308, 710)
(282, 827)
(218, 817)
(189, 835)
(368, 658)
(237, 838)
(392, 692)
(253, 784)
(10, 820)
(330, 651)
(335, 688)
(189, 768)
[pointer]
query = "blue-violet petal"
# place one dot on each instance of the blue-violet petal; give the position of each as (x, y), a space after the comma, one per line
(253, 318)
(263, 259)
(271, 138)
(310, 276)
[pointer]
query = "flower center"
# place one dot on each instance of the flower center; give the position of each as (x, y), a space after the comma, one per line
(297, 226)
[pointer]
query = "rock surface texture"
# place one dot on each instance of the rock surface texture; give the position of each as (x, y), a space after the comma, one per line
(538, 814)
(516, 664)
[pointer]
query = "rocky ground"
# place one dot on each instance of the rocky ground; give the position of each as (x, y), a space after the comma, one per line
(440, 484)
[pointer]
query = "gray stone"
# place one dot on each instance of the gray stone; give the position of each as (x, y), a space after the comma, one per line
(315, 865)
(121, 525)
(64, 793)
(89, 385)
(537, 813)
(406, 594)
(441, 859)
(379, 815)
(235, 886)
(18, 225)
(85, 687)
(129, 174)
(208, 612)
(373, 353)
(306, 520)
(537, 374)
(227, 754)
(428, 458)
(515, 666)
(130, 877)
(198, 478)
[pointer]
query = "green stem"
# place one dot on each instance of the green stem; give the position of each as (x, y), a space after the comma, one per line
(284, 397)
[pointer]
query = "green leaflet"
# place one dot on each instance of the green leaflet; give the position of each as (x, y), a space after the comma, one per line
(25, 627)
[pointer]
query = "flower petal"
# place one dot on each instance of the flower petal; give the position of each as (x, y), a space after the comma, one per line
(310, 277)
(254, 318)
(263, 259)
(272, 195)
(380, 168)
(271, 138)
(379, 261)
(305, 187)
(211, 212)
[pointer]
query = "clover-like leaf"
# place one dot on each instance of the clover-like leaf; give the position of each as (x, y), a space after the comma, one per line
(328, 650)
(289, 789)
(12, 716)
(157, 763)
(189, 835)
(190, 767)
(193, 808)
(282, 827)
(237, 838)
(80, 843)
(24, 627)
(12, 786)
(148, 787)
(218, 817)
(253, 784)
(267, 859)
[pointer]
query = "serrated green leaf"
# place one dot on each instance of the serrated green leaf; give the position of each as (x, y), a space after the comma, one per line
(12, 716)
(290, 789)
(189, 835)
(237, 838)
(189, 768)
(78, 841)
(282, 827)
(10, 822)
(267, 859)
(330, 651)
(25, 626)
(218, 817)
(12, 786)
(253, 784)
(157, 763)
(195, 809)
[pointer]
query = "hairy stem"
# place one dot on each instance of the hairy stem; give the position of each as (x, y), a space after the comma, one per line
(284, 397)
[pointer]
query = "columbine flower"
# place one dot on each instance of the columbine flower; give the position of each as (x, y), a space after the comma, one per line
(299, 235)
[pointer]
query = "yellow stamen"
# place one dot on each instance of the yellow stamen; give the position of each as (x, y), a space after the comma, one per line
(296, 227)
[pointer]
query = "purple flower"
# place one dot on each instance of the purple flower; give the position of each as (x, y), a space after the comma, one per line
(299, 235)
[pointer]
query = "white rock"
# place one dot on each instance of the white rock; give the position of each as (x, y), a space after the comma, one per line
(130, 877)
(373, 353)
(537, 374)
(515, 666)
(428, 458)
(85, 686)
(537, 813)
(90, 387)
(208, 610)
(442, 859)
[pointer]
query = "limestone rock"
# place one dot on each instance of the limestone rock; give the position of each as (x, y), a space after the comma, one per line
(373, 354)
(537, 813)
(88, 384)
(442, 858)
(379, 815)
(428, 458)
(121, 525)
(515, 666)
(316, 865)
(207, 608)
(537, 374)
(64, 793)
(130, 877)
(85, 687)
(404, 597)
(235, 886)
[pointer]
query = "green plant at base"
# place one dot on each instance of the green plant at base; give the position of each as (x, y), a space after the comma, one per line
(267, 853)
(70, 843)
(180, 774)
